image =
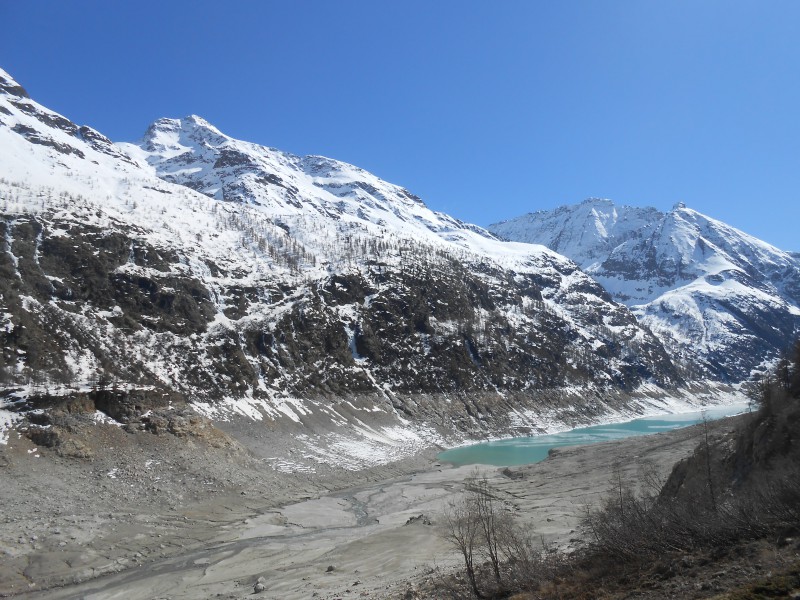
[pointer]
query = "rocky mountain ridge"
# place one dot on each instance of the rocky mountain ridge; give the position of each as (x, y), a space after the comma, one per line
(718, 297)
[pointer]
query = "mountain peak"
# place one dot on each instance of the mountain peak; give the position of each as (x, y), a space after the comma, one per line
(176, 136)
(165, 123)
(187, 124)
(196, 122)
(192, 152)
(584, 232)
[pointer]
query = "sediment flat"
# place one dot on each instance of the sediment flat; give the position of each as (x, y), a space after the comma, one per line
(358, 542)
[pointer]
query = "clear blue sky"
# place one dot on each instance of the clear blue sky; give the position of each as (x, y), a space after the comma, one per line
(487, 110)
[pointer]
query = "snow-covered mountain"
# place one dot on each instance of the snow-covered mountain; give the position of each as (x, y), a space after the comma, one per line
(251, 282)
(718, 297)
(192, 152)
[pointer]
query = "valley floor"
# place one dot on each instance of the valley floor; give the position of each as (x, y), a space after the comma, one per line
(360, 541)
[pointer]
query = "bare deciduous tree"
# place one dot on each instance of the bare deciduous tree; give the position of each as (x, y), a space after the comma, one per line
(484, 532)
(461, 529)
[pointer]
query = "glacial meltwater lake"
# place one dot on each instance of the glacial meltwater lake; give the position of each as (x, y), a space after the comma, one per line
(532, 449)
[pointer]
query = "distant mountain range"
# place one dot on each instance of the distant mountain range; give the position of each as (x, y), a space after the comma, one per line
(717, 297)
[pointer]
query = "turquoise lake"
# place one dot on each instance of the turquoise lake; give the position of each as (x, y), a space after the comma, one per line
(531, 449)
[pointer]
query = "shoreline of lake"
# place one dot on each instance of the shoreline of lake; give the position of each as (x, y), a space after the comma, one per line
(534, 448)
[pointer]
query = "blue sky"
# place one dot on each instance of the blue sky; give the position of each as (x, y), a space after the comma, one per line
(487, 110)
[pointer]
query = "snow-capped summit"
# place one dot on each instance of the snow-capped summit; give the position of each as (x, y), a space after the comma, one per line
(713, 290)
(586, 232)
(172, 137)
(194, 153)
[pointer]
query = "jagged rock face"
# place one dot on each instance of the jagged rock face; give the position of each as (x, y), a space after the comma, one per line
(719, 297)
(235, 275)
(78, 295)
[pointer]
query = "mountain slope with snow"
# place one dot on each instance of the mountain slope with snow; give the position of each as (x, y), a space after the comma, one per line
(718, 297)
(300, 295)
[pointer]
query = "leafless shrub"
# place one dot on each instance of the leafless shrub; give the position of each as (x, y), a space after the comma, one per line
(499, 555)
(635, 528)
